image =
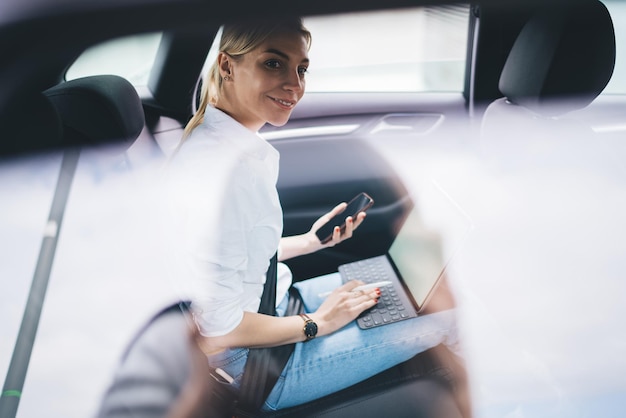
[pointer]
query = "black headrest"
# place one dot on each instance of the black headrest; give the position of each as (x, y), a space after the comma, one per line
(99, 108)
(565, 52)
(30, 124)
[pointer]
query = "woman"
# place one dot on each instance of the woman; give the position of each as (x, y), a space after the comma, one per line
(258, 77)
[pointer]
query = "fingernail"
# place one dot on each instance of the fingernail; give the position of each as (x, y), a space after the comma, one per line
(376, 301)
(378, 291)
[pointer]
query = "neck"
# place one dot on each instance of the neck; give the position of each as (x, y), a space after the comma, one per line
(226, 107)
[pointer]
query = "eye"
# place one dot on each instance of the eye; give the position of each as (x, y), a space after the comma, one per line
(302, 70)
(272, 64)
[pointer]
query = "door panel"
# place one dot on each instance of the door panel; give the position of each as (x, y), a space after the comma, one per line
(318, 172)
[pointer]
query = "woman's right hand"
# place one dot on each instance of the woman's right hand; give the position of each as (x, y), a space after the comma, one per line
(343, 306)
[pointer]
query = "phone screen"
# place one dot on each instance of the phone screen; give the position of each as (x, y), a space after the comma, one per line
(358, 204)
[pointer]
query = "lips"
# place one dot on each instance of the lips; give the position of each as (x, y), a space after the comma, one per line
(287, 104)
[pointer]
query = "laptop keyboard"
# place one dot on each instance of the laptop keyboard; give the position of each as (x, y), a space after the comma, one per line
(391, 306)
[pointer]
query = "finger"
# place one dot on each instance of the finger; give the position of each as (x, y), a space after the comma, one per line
(324, 219)
(364, 305)
(367, 294)
(333, 238)
(335, 211)
(348, 286)
(338, 209)
(349, 228)
(357, 298)
(359, 219)
(339, 236)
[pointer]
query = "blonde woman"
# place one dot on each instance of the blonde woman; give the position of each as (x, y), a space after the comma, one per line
(258, 77)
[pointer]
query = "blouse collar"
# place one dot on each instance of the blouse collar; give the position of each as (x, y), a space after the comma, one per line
(250, 142)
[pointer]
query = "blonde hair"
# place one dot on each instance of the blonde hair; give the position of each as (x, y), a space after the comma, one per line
(239, 38)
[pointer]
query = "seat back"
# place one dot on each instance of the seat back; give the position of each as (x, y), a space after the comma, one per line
(86, 111)
(31, 124)
(98, 109)
(560, 62)
(562, 59)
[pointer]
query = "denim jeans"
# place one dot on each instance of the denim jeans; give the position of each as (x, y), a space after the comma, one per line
(328, 364)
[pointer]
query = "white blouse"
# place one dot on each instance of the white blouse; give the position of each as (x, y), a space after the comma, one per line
(228, 220)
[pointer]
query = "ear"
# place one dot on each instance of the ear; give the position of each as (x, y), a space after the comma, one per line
(225, 64)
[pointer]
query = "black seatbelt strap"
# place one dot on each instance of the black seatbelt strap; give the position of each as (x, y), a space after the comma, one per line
(264, 365)
(268, 299)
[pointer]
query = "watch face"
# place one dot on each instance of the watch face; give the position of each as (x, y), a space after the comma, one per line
(310, 329)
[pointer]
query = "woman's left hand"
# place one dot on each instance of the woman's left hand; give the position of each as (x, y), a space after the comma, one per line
(338, 235)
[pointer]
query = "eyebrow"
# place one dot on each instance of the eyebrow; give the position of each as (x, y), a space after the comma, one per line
(282, 54)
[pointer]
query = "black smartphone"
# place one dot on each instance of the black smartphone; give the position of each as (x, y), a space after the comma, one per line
(358, 204)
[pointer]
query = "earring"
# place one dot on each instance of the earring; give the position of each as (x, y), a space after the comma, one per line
(226, 77)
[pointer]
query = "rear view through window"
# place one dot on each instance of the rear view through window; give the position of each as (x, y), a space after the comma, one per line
(413, 50)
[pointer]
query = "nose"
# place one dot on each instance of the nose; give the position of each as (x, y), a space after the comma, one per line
(294, 81)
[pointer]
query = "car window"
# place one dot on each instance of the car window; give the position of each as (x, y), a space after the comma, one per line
(617, 9)
(417, 49)
(410, 50)
(130, 57)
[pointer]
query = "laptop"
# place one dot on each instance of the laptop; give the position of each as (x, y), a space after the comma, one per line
(413, 264)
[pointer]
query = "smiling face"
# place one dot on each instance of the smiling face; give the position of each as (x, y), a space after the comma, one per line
(264, 85)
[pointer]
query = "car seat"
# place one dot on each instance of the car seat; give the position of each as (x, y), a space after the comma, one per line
(30, 124)
(560, 62)
(86, 111)
(97, 110)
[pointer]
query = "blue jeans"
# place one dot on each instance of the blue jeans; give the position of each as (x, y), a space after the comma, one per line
(328, 364)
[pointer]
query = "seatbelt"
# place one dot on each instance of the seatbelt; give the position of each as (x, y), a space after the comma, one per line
(18, 367)
(264, 365)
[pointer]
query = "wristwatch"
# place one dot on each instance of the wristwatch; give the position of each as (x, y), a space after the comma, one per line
(310, 327)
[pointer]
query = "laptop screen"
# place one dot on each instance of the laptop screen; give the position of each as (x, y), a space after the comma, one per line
(417, 255)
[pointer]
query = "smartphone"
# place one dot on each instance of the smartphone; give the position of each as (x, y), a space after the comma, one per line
(358, 204)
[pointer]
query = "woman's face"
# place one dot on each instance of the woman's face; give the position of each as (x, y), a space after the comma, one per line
(266, 83)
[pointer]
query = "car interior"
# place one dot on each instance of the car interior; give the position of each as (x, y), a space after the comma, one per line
(517, 71)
